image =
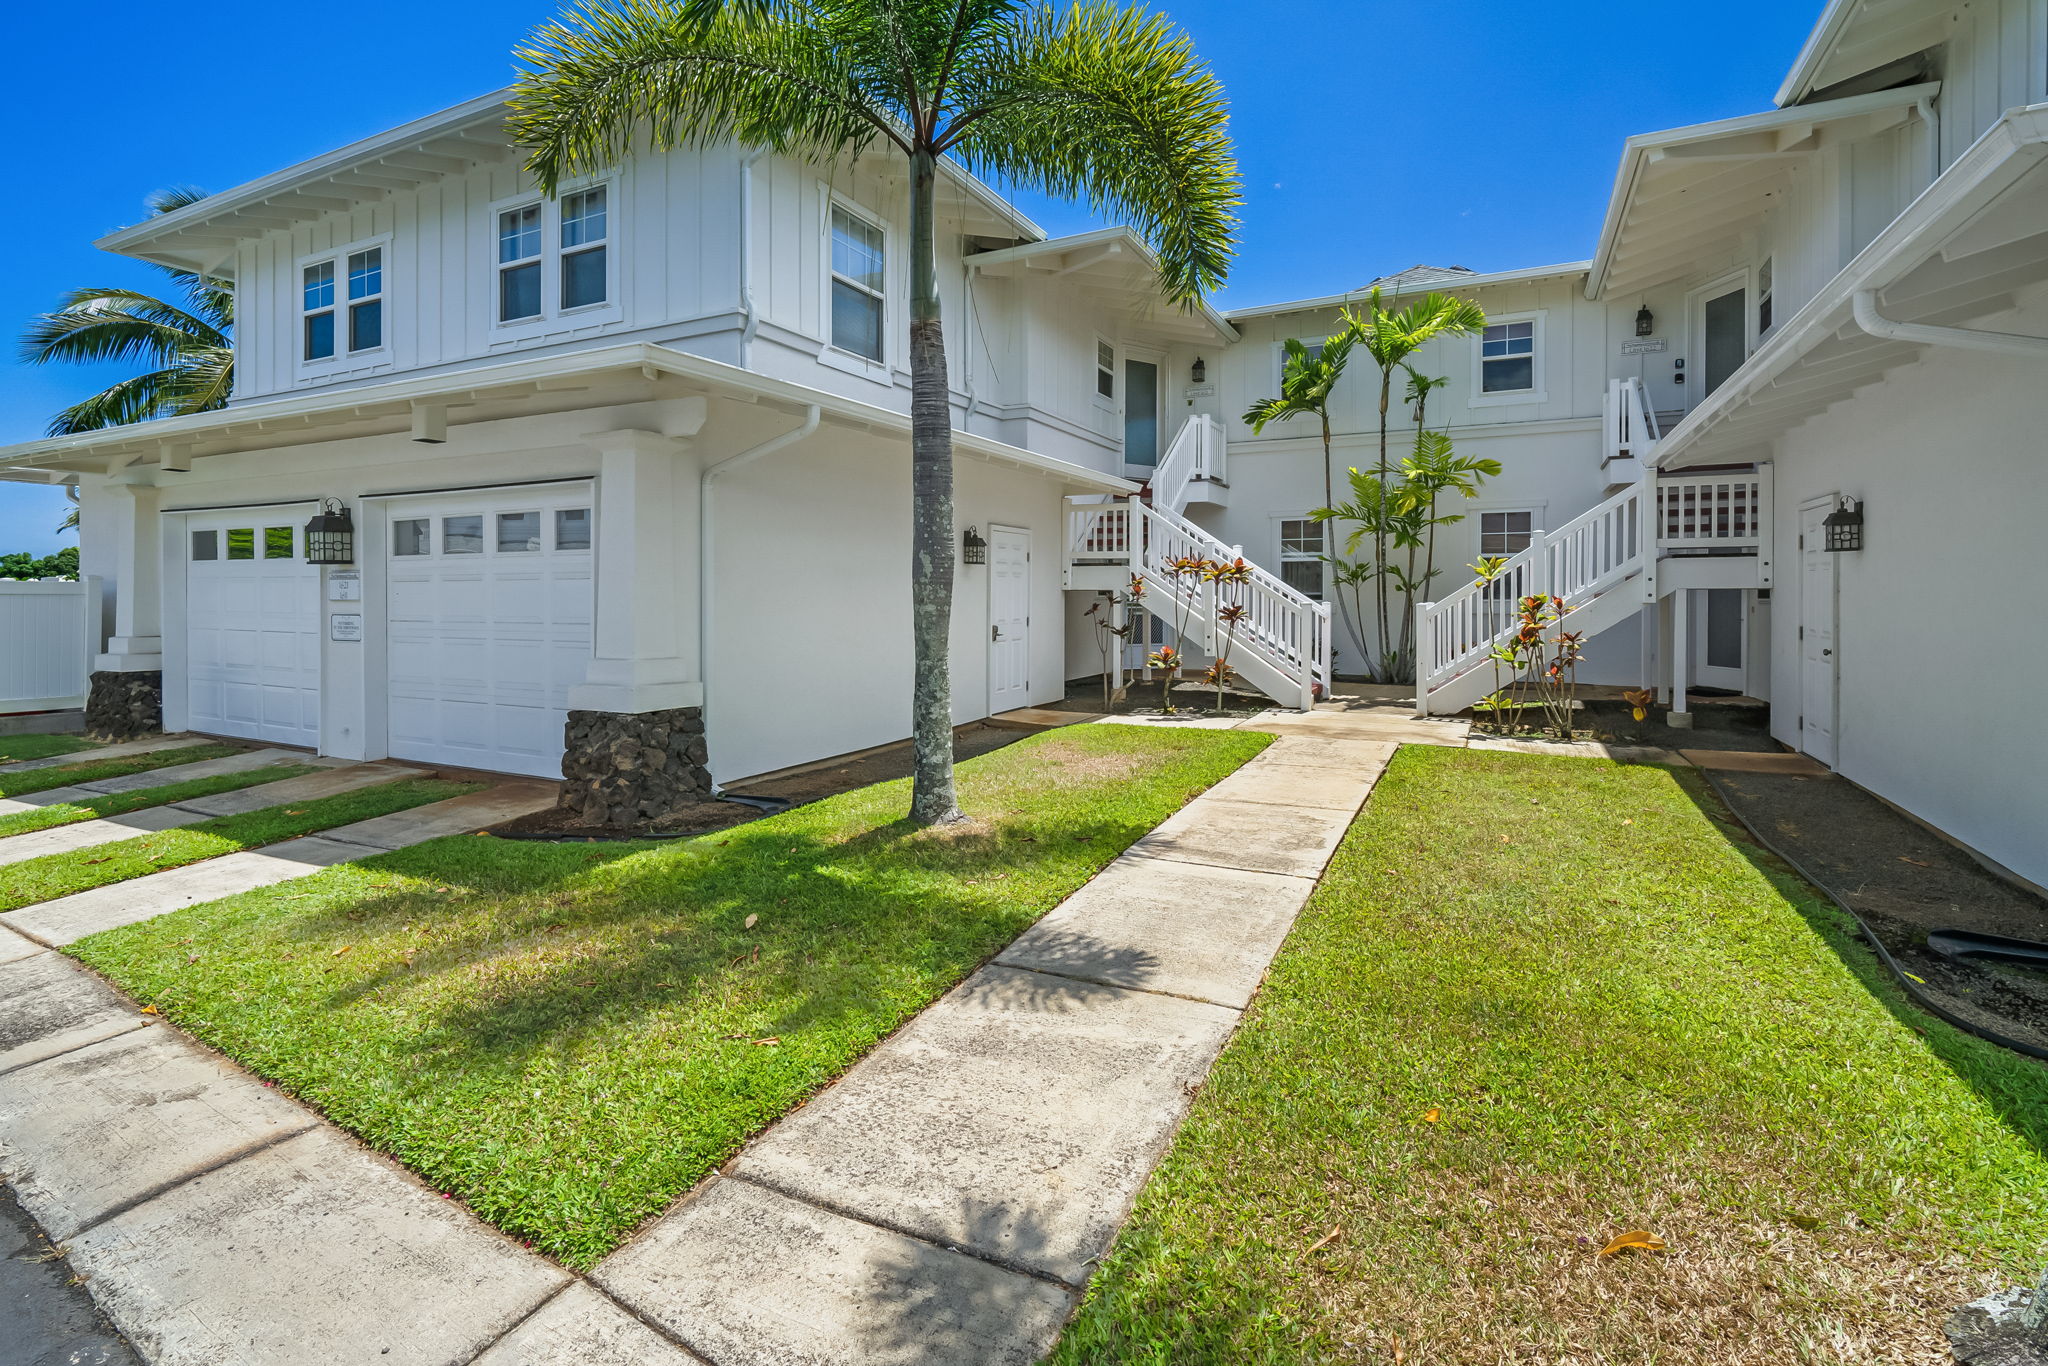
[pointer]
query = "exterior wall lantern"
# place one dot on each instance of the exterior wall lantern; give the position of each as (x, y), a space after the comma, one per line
(331, 535)
(973, 550)
(1844, 526)
(1199, 372)
(1646, 321)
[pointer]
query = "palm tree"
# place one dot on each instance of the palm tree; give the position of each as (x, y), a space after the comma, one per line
(1390, 338)
(1095, 101)
(188, 343)
(1307, 379)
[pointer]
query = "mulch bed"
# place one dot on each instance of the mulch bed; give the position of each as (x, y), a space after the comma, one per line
(1904, 881)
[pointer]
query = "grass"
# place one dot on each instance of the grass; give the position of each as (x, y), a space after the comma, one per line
(80, 870)
(1538, 1002)
(121, 803)
(567, 1037)
(95, 770)
(15, 748)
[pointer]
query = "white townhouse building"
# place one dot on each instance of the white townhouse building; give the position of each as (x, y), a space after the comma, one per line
(640, 452)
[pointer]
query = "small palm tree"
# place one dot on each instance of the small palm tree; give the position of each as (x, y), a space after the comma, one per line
(188, 342)
(1390, 337)
(1096, 101)
(1307, 380)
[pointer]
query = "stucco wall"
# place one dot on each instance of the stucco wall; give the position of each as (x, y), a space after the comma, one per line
(1941, 654)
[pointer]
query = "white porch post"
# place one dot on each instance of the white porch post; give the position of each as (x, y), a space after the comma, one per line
(1681, 658)
(137, 644)
(644, 636)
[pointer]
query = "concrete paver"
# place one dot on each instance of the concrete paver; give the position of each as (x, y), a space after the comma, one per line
(1016, 1118)
(581, 1327)
(1264, 837)
(209, 768)
(63, 839)
(86, 756)
(50, 1005)
(14, 947)
(1335, 789)
(1364, 725)
(305, 788)
(753, 1278)
(1300, 749)
(1737, 761)
(308, 1251)
(1179, 928)
(455, 816)
(102, 1126)
(71, 918)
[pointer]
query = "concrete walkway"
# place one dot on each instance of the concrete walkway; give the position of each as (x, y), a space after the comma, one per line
(160, 777)
(87, 756)
(70, 918)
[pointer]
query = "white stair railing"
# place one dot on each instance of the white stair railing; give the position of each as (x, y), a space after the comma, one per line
(1598, 548)
(1631, 425)
(1713, 511)
(1193, 455)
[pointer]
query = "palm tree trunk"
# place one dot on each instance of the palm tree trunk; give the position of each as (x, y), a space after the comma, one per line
(1382, 674)
(932, 797)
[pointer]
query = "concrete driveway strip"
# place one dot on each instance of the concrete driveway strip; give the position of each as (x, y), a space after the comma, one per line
(210, 768)
(14, 946)
(456, 816)
(92, 1131)
(50, 1005)
(308, 787)
(87, 756)
(310, 1250)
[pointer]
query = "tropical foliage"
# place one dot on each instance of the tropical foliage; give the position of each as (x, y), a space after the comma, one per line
(1092, 101)
(186, 344)
(23, 565)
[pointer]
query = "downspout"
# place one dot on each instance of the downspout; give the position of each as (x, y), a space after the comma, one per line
(705, 558)
(747, 254)
(1969, 339)
(1930, 118)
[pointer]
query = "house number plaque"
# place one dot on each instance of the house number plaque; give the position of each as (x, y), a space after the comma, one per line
(345, 626)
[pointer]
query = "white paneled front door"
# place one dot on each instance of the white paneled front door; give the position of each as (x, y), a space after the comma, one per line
(1009, 615)
(252, 626)
(489, 625)
(1817, 662)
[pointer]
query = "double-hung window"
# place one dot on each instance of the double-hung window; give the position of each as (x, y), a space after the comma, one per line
(1507, 357)
(1105, 370)
(1765, 315)
(341, 303)
(859, 260)
(554, 258)
(1301, 555)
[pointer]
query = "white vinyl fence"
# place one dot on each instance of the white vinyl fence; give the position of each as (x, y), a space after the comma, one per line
(49, 632)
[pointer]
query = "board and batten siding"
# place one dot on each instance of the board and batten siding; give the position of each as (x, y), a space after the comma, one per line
(673, 233)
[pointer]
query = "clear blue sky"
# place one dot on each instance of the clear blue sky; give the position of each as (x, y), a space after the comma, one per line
(1480, 133)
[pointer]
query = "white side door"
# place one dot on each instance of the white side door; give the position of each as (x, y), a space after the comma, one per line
(1817, 661)
(252, 626)
(1721, 639)
(1009, 615)
(489, 603)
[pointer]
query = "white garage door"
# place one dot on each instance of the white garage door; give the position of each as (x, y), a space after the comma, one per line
(489, 626)
(252, 626)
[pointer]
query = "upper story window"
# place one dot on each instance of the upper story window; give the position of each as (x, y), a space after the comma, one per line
(1105, 370)
(1314, 350)
(1507, 357)
(554, 258)
(859, 259)
(342, 304)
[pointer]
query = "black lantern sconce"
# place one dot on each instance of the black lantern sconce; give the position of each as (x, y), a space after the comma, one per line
(331, 535)
(1844, 526)
(1646, 321)
(1199, 372)
(973, 550)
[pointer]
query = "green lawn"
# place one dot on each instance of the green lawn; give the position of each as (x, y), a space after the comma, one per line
(93, 770)
(14, 748)
(79, 870)
(121, 803)
(1538, 1002)
(569, 1036)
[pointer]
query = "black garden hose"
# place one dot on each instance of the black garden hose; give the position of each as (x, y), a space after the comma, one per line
(1906, 983)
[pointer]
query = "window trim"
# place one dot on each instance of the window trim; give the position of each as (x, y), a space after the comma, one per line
(338, 257)
(1113, 400)
(1537, 392)
(1281, 558)
(1763, 308)
(1280, 358)
(879, 368)
(552, 315)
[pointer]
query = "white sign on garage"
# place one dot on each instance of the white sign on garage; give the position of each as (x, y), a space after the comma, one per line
(252, 621)
(489, 624)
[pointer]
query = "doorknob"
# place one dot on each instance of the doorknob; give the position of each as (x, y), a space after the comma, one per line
(1825, 653)
(995, 633)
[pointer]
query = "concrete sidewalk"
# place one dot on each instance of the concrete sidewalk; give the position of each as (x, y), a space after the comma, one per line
(944, 1202)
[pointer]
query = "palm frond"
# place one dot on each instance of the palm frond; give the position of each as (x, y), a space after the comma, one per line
(95, 325)
(1111, 106)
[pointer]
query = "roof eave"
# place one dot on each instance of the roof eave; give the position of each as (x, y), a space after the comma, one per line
(1452, 284)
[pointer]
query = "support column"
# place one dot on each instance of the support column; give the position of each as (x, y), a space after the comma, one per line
(126, 697)
(1681, 659)
(634, 744)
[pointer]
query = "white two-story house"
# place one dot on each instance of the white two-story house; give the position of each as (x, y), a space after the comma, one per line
(640, 452)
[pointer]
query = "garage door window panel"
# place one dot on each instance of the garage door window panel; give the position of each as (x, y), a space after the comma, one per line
(242, 543)
(518, 532)
(462, 535)
(206, 545)
(412, 536)
(572, 529)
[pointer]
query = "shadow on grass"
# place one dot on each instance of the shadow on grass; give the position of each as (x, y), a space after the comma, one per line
(2016, 1088)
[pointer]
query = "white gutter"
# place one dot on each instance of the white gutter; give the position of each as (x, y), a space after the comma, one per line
(1967, 338)
(706, 524)
(1449, 283)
